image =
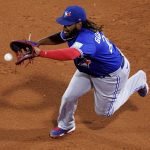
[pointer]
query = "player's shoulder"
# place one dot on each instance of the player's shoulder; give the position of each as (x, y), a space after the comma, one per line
(86, 35)
(84, 32)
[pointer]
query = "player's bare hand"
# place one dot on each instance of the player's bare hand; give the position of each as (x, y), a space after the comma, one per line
(37, 50)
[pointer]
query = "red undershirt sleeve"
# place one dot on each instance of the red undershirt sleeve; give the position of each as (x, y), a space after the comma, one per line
(60, 54)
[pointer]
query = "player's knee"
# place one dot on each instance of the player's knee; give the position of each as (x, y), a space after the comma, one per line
(100, 112)
(141, 73)
(103, 112)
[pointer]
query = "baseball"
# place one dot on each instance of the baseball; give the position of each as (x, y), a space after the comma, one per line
(8, 57)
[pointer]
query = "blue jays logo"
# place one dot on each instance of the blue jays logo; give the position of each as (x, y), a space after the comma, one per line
(67, 14)
(84, 62)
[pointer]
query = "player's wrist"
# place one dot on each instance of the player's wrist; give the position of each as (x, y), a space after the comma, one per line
(37, 51)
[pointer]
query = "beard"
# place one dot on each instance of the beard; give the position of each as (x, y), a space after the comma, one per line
(71, 34)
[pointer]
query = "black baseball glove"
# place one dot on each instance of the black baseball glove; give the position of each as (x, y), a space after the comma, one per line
(24, 50)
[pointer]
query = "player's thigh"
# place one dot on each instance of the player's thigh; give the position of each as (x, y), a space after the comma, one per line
(79, 85)
(106, 91)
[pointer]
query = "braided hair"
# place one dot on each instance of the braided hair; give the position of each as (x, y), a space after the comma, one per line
(88, 24)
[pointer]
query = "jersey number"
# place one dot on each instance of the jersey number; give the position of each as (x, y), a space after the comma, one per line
(98, 40)
(108, 43)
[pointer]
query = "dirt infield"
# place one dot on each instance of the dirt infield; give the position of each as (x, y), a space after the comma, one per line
(30, 97)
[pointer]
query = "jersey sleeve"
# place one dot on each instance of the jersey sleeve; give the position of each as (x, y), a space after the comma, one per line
(86, 45)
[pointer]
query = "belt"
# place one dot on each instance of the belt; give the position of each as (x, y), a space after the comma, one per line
(122, 65)
(109, 75)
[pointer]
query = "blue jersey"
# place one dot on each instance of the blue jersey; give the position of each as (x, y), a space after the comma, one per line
(99, 56)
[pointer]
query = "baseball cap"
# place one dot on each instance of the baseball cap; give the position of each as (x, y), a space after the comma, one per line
(72, 15)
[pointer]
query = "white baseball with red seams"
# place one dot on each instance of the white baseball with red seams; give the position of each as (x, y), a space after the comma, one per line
(8, 57)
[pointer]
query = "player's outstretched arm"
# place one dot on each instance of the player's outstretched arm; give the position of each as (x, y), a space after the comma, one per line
(59, 54)
(51, 40)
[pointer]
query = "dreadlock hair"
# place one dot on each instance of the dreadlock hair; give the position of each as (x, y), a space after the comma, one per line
(88, 24)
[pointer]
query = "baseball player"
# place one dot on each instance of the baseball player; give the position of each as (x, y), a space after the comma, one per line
(100, 66)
